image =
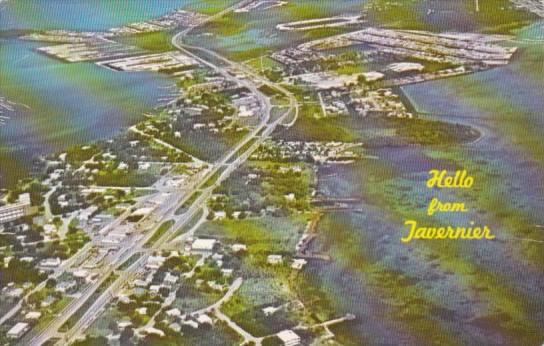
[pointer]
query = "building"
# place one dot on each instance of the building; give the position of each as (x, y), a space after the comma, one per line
(274, 259)
(33, 315)
(154, 262)
(14, 211)
(298, 263)
(66, 286)
(203, 245)
(50, 262)
(204, 319)
(18, 330)
(173, 313)
(289, 338)
(270, 310)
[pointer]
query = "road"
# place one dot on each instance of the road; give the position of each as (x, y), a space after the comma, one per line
(167, 210)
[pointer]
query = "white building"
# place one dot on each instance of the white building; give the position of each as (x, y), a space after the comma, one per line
(203, 245)
(289, 338)
(154, 262)
(18, 330)
(269, 310)
(204, 319)
(14, 211)
(299, 263)
(175, 312)
(274, 259)
(238, 248)
(50, 262)
(33, 315)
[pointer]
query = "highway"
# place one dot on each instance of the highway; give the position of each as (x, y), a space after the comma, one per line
(167, 209)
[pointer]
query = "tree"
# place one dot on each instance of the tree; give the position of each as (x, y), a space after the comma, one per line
(113, 326)
(211, 215)
(126, 335)
(50, 283)
(164, 291)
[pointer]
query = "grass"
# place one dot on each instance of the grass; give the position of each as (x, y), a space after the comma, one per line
(129, 261)
(495, 16)
(213, 179)
(308, 128)
(163, 228)
(156, 42)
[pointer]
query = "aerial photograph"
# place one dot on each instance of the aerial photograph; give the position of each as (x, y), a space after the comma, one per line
(271, 172)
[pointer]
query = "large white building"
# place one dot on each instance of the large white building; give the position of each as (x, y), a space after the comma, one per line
(203, 245)
(289, 338)
(14, 211)
(18, 330)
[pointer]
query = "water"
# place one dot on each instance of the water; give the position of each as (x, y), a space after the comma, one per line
(457, 291)
(68, 103)
(82, 14)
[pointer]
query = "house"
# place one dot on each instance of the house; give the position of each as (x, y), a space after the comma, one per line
(227, 272)
(80, 275)
(170, 279)
(18, 330)
(215, 286)
(190, 323)
(66, 287)
(299, 263)
(123, 324)
(173, 313)
(141, 311)
(274, 259)
(220, 215)
(289, 338)
(203, 245)
(154, 262)
(175, 327)
(140, 283)
(269, 310)
(290, 197)
(204, 319)
(50, 262)
(33, 315)
(153, 331)
(124, 299)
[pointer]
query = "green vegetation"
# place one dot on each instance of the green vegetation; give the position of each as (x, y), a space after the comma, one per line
(495, 16)
(430, 132)
(156, 42)
(229, 25)
(124, 178)
(75, 239)
(310, 128)
(76, 155)
(91, 341)
(129, 261)
(19, 272)
(278, 186)
(163, 228)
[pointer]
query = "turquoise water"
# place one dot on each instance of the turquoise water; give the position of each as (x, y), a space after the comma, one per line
(68, 103)
(81, 14)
